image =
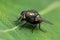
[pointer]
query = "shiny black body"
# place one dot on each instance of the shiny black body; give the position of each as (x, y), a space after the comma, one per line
(32, 17)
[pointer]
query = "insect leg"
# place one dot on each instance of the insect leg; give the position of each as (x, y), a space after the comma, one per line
(22, 25)
(34, 26)
(20, 18)
(33, 29)
(18, 22)
(40, 28)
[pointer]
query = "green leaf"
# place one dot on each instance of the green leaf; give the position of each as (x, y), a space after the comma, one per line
(10, 11)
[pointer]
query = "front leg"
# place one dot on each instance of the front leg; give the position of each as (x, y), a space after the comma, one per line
(18, 21)
(20, 18)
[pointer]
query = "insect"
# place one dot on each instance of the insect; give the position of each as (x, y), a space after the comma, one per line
(32, 17)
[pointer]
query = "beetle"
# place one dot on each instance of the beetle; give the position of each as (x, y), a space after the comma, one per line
(32, 17)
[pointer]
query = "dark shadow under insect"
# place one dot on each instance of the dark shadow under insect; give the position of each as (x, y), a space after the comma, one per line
(31, 18)
(28, 26)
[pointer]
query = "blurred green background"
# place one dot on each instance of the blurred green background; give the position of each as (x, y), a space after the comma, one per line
(10, 11)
